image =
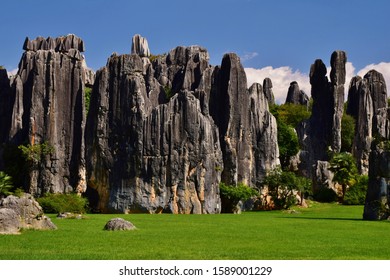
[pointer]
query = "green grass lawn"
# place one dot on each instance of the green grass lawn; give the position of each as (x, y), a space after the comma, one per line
(323, 231)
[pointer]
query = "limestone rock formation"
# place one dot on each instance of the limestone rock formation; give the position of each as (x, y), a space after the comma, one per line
(322, 132)
(5, 115)
(297, 96)
(9, 221)
(140, 46)
(28, 211)
(378, 196)
(161, 155)
(119, 224)
(47, 106)
(263, 130)
(267, 87)
(367, 103)
(230, 110)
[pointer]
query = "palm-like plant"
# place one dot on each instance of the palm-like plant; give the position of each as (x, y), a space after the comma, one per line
(5, 184)
(344, 167)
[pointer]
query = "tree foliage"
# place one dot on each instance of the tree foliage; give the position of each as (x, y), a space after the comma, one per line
(343, 166)
(347, 132)
(283, 187)
(232, 195)
(34, 153)
(290, 114)
(356, 194)
(87, 96)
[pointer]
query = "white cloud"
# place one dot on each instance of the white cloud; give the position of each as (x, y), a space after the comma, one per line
(281, 78)
(382, 67)
(248, 56)
(12, 72)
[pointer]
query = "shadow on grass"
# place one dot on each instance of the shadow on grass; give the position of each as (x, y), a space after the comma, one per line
(326, 218)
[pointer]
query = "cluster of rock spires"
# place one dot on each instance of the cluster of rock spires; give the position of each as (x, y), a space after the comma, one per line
(163, 131)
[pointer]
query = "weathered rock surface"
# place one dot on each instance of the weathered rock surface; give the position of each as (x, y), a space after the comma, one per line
(367, 103)
(378, 196)
(154, 157)
(248, 132)
(47, 106)
(267, 87)
(9, 221)
(297, 96)
(230, 110)
(119, 224)
(140, 46)
(322, 132)
(263, 131)
(28, 211)
(5, 114)
(155, 127)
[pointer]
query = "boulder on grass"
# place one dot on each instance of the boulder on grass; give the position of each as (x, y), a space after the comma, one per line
(119, 224)
(28, 212)
(9, 221)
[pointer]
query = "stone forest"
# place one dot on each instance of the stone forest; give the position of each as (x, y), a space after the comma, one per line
(160, 133)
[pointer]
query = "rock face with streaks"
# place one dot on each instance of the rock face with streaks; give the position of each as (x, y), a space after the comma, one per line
(46, 106)
(162, 135)
(322, 132)
(140, 46)
(248, 133)
(367, 103)
(267, 87)
(5, 114)
(147, 154)
(297, 96)
(378, 195)
(162, 131)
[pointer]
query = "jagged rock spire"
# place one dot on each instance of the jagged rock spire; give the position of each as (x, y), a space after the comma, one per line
(140, 46)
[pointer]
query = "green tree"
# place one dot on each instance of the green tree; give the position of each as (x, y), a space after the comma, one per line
(283, 186)
(347, 132)
(232, 195)
(5, 184)
(288, 116)
(288, 143)
(343, 166)
(87, 96)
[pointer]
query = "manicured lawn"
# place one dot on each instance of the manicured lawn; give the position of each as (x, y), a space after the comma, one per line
(323, 231)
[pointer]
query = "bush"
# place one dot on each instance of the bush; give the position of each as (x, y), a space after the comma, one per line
(59, 203)
(356, 194)
(231, 195)
(34, 153)
(325, 195)
(283, 187)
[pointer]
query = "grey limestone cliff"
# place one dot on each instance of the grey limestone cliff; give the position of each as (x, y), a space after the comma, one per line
(46, 105)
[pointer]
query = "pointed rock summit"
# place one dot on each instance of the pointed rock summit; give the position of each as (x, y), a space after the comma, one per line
(140, 46)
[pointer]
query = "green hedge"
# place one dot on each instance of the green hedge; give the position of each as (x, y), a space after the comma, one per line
(59, 203)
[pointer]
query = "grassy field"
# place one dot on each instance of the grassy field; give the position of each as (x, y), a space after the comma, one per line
(323, 231)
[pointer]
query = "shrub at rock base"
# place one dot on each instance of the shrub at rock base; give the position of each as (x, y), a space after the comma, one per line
(60, 203)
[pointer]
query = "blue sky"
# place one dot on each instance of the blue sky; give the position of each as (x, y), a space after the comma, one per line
(276, 38)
